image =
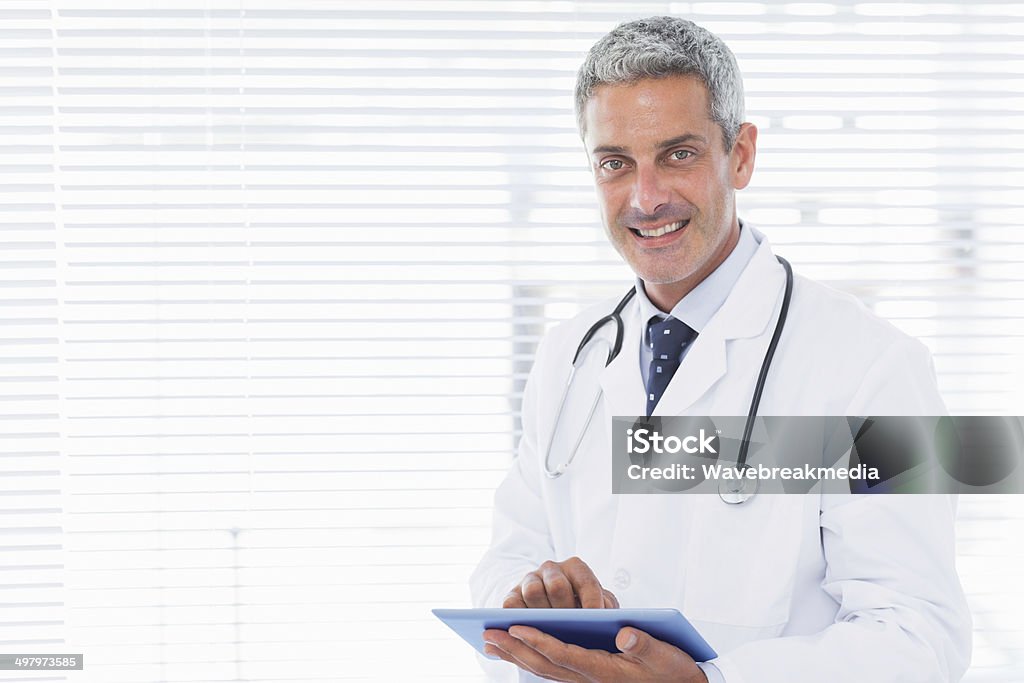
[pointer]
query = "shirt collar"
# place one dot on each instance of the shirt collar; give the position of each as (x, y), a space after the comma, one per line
(702, 302)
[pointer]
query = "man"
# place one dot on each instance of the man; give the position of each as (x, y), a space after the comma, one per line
(795, 588)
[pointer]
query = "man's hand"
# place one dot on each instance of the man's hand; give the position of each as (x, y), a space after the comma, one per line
(561, 584)
(644, 659)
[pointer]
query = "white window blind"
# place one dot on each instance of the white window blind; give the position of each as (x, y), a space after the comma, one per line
(32, 605)
(273, 275)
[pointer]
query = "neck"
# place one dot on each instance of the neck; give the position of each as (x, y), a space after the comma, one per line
(666, 295)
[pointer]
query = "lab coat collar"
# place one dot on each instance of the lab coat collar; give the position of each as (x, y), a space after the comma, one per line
(752, 302)
(747, 312)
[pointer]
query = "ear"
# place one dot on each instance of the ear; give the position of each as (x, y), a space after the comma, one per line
(741, 158)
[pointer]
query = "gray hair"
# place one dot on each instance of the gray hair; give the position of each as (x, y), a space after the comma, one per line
(658, 47)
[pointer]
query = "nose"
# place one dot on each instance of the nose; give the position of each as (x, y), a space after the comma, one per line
(650, 191)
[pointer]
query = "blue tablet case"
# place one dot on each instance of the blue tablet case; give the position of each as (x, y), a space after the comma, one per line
(593, 629)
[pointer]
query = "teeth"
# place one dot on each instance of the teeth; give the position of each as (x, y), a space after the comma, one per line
(663, 230)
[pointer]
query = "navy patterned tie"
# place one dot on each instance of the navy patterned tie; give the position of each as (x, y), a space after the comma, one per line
(669, 337)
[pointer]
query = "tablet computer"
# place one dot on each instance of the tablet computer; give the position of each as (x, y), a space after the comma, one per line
(594, 629)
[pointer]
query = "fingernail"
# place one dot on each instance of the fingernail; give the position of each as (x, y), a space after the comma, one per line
(630, 641)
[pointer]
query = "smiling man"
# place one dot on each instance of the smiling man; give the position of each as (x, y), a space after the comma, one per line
(786, 588)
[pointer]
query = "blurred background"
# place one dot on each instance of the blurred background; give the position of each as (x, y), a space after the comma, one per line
(223, 223)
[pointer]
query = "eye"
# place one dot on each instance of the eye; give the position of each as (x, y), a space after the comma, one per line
(612, 164)
(682, 154)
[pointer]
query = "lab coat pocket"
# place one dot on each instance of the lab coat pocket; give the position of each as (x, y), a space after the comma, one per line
(742, 562)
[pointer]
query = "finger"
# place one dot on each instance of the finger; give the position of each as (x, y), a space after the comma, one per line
(493, 635)
(586, 663)
(513, 600)
(559, 589)
(496, 651)
(583, 581)
(651, 652)
(525, 657)
(636, 643)
(494, 639)
(610, 601)
(533, 591)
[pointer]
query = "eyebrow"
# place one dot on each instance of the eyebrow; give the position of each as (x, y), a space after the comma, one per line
(682, 139)
(671, 142)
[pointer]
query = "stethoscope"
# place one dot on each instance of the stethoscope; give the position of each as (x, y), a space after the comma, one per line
(732, 491)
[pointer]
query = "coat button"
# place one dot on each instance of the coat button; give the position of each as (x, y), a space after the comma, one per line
(621, 579)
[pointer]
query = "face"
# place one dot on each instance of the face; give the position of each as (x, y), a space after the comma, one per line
(665, 182)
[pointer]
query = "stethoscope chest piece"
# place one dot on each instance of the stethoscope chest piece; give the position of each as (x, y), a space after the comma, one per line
(737, 491)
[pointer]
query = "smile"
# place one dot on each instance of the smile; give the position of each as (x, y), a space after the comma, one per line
(663, 230)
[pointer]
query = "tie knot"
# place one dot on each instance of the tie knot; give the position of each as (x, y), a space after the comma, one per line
(669, 337)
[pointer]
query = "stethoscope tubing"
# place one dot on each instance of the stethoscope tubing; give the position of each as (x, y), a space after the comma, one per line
(616, 317)
(766, 364)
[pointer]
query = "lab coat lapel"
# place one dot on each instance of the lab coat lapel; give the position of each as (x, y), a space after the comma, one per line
(746, 313)
(703, 366)
(622, 385)
(624, 395)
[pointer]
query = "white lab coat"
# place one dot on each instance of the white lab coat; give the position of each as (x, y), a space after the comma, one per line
(786, 588)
